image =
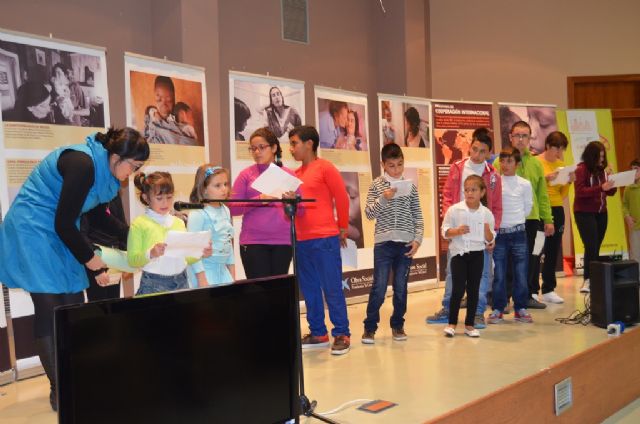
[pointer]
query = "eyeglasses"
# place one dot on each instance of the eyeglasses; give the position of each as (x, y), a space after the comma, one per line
(521, 136)
(260, 147)
(134, 166)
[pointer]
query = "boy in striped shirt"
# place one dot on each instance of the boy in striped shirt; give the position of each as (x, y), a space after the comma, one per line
(398, 234)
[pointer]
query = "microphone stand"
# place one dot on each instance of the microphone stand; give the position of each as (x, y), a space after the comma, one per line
(291, 209)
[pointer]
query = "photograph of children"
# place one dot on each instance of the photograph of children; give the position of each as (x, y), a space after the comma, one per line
(51, 86)
(168, 110)
(354, 232)
(269, 103)
(451, 145)
(542, 120)
(342, 125)
(416, 126)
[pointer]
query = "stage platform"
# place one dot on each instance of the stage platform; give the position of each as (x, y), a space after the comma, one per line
(431, 377)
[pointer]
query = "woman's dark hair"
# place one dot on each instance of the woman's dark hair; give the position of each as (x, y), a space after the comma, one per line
(413, 119)
(591, 156)
(357, 119)
(62, 67)
(270, 138)
(124, 142)
(31, 93)
(281, 95)
(153, 184)
(556, 139)
(241, 113)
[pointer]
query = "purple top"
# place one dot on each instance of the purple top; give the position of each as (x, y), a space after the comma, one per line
(261, 223)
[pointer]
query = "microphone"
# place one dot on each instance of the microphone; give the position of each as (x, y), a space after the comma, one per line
(184, 205)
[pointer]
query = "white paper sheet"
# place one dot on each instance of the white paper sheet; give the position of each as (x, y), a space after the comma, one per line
(622, 179)
(349, 254)
(539, 243)
(563, 175)
(403, 187)
(274, 182)
(181, 244)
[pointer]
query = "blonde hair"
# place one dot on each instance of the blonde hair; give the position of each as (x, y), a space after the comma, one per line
(203, 177)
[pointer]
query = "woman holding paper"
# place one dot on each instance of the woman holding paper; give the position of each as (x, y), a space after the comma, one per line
(41, 249)
(552, 161)
(592, 187)
(265, 243)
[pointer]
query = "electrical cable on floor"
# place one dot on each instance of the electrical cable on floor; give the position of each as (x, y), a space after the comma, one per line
(577, 316)
(344, 405)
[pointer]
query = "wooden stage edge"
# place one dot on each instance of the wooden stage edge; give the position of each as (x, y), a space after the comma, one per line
(605, 378)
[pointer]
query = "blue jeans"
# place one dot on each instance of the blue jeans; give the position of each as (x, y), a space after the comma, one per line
(388, 256)
(156, 283)
(320, 271)
(512, 245)
(484, 284)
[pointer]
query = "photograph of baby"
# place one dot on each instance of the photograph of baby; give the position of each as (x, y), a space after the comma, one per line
(167, 110)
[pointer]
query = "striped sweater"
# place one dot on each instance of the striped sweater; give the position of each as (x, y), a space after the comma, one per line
(397, 219)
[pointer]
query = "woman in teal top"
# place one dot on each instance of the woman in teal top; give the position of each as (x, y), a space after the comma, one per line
(41, 248)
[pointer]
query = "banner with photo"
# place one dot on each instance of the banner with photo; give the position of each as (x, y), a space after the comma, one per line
(167, 102)
(541, 119)
(257, 101)
(453, 125)
(582, 127)
(405, 121)
(341, 118)
(53, 93)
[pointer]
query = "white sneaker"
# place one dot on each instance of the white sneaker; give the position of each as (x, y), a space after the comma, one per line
(552, 297)
(535, 296)
(585, 287)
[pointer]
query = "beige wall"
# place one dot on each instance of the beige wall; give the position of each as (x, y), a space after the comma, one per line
(523, 51)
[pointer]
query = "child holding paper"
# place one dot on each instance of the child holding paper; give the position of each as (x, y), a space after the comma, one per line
(631, 210)
(145, 243)
(265, 241)
(592, 186)
(469, 227)
(212, 182)
(398, 234)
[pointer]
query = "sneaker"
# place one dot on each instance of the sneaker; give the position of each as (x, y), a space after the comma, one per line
(472, 333)
(534, 304)
(495, 317)
(523, 316)
(449, 331)
(368, 337)
(398, 334)
(586, 286)
(310, 341)
(440, 317)
(479, 322)
(341, 345)
(535, 296)
(552, 297)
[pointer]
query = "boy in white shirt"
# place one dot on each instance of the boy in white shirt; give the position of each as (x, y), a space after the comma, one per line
(511, 240)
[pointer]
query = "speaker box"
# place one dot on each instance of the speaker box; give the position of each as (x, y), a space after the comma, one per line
(615, 292)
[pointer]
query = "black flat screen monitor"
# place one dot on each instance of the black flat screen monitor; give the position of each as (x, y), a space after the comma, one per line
(214, 355)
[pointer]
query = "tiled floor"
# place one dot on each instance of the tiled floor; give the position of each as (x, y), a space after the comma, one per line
(426, 376)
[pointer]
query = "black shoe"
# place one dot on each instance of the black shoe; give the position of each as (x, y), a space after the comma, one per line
(534, 304)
